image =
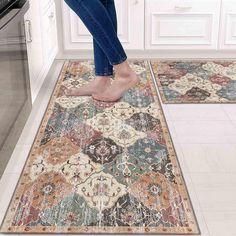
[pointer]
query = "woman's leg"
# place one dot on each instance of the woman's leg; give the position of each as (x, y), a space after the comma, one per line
(103, 68)
(97, 20)
(102, 64)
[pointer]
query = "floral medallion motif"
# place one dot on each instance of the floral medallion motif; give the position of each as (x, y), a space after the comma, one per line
(102, 150)
(142, 121)
(196, 93)
(74, 83)
(122, 110)
(126, 135)
(85, 111)
(153, 109)
(149, 151)
(157, 134)
(165, 168)
(101, 190)
(104, 122)
(126, 168)
(73, 210)
(78, 168)
(58, 150)
(47, 190)
(137, 98)
(59, 123)
(82, 134)
(71, 102)
(128, 211)
(123, 135)
(154, 191)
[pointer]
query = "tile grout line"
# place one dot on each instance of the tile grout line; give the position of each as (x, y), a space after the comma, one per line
(200, 206)
(231, 121)
(195, 193)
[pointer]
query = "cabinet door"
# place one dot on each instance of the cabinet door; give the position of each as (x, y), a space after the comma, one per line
(34, 44)
(49, 31)
(228, 25)
(130, 17)
(179, 24)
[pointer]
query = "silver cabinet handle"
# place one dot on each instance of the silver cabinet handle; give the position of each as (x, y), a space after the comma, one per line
(182, 8)
(28, 30)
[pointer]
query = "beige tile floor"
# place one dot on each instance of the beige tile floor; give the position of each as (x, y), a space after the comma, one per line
(204, 137)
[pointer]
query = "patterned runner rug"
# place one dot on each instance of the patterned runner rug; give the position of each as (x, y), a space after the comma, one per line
(98, 167)
(189, 81)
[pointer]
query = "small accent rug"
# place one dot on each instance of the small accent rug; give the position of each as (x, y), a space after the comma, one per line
(100, 167)
(195, 81)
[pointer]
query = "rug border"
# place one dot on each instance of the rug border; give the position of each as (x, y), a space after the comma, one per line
(128, 229)
(159, 86)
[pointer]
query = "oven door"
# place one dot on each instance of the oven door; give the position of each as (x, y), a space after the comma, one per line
(15, 96)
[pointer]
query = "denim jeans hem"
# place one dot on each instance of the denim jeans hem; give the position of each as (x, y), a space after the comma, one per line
(103, 74)
(118, 62)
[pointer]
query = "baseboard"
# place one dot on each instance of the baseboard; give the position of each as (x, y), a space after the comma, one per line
(148, 54)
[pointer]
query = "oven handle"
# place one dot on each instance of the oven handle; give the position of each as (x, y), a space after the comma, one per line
(28, 30)
(13, 16)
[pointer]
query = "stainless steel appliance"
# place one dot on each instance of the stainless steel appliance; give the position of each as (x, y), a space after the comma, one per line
(5, 5)
(15, 96)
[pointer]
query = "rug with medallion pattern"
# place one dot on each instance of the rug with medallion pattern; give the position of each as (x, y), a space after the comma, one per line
(195, 81)
(101, 167)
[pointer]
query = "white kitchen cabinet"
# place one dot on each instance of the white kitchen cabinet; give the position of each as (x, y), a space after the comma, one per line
(49, 31)
(227, 36)
(42, 46)
(179, 24)
(34, 45)
(130, 17)
(159, 28)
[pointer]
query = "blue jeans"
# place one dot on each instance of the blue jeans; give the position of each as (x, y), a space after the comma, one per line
(99, 16)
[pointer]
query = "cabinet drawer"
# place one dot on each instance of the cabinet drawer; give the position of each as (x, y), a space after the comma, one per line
(228, 25)
(182, 24)
(178, 6)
